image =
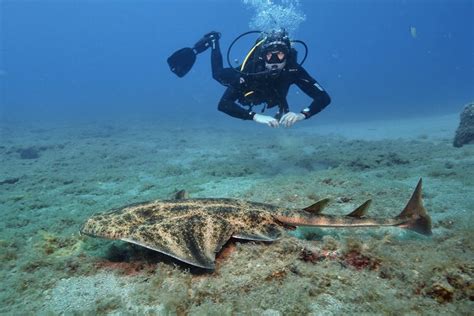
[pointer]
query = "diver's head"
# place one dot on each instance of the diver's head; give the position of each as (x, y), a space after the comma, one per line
(275, 50)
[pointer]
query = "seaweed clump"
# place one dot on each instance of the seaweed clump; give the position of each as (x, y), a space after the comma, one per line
(9, 181)
(32, 152)
(352, 256)
(452, 284)
(29, 153)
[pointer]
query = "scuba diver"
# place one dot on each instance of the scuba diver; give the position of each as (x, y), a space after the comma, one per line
(264, 77)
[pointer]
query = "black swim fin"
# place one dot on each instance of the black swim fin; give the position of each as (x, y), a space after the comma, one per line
(183, 60)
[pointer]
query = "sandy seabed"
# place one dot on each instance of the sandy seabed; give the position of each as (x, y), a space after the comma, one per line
(53, 177)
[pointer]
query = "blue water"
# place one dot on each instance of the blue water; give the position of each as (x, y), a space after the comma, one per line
(107, 59)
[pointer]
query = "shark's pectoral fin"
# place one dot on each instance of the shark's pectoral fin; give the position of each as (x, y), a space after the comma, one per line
(194, 239)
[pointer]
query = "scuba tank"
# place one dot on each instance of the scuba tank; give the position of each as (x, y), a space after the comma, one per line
(253, 64)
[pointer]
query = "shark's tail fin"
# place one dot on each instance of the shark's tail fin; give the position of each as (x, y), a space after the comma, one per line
(415, 215)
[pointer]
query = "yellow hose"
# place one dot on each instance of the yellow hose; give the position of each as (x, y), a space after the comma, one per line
(250, 53)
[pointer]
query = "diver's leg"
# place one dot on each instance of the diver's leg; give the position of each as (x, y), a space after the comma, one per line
(216, 61)
(206, 41)
(225, 76)
(211, 40)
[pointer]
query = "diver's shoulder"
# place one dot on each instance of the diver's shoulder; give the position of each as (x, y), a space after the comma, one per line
(295, 69)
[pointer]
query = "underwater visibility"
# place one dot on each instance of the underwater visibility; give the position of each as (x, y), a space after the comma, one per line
(240, 157)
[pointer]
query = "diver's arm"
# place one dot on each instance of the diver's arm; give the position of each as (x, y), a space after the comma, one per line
(312, 88)
(227, 105)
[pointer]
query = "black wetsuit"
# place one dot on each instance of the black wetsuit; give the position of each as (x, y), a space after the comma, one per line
(250, 90)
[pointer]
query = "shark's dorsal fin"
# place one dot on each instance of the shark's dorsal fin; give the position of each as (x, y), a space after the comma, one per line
(181, 195)
(361, 210)
(415, 214)
(317, 207)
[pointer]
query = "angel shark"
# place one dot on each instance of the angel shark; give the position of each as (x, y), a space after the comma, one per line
(194, 230)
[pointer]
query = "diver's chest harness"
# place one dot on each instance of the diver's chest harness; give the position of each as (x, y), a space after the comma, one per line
(262, 92)
(257, 84)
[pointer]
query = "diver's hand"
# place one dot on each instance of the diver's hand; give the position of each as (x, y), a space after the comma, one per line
(265, 119)
(291, 118)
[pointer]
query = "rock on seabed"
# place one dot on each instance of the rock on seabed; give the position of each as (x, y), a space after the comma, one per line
(465, 131)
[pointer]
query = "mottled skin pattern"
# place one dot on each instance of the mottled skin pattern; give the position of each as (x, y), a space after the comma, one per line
(194, 230)
(191, 230)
